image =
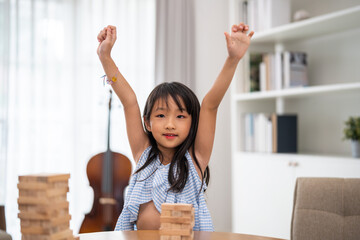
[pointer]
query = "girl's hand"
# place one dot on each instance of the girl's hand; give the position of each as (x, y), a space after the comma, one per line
(106, 38)
(239, 41)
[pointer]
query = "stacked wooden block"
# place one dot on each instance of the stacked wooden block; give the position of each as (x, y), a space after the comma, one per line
(44, 209)
(177, 221)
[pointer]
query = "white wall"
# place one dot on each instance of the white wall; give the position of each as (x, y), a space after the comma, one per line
(212, 20)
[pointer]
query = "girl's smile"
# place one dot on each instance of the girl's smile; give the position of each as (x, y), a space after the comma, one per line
(170, 135)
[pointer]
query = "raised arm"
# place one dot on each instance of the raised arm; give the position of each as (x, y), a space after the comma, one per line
(136, 134)
(237, 44)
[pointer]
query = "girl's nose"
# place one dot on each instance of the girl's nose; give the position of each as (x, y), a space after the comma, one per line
(170, 124)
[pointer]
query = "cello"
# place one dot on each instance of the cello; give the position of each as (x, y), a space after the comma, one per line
(108, 173)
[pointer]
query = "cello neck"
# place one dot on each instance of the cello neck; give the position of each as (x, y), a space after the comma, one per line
(109, 117)
(107, 174)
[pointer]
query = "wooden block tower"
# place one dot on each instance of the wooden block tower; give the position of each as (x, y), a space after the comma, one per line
(44, 209)
(177, 221)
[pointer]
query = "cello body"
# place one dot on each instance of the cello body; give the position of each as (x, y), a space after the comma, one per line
(108, 173)
(104, 205)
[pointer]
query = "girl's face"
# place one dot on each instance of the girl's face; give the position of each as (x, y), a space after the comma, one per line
(168, 124)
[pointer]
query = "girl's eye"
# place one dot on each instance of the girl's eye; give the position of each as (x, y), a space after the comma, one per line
(160, 115)
(181, 116)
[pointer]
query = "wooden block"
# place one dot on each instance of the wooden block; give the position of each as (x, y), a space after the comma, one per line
(38, 216)
(54, 209)
(186, 226)
(176, 226)
(176, 206)
(165, 212)
(188, 213)
(66, 234)
(41, 201)
(165, 225)
(71, 238)
(164, 219)
(49, 214)
(31, 216)
(47, 193)
(45, 177)
(176, 232)
(60, 220)
(44, 230)
(176, 213)
(41, 185)
(45, 223)
(63, 234)
(32, 185)
(165, 237)
(175, 238)
(191, 237)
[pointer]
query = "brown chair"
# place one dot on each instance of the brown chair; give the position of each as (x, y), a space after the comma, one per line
(3, 234)
(326, 208)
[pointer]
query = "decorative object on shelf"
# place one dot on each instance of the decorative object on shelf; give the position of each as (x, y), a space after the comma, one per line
(355, 148)
(301, 15)
(352, 132)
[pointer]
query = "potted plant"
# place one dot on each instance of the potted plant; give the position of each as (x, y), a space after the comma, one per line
(352, 132)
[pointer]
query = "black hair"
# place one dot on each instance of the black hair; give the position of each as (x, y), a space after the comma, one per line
(177, 91)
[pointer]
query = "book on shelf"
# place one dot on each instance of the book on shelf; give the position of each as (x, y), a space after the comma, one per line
(270, 133)
(262, 15)
(284, 129)
(255, 60)
(257, 132)
(262, 73)
(295, 69)
(249, 132)
(275, 71)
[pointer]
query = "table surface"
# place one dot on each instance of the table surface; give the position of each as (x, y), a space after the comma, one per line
(154, 235)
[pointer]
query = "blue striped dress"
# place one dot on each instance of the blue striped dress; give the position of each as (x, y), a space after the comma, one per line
(155, 187)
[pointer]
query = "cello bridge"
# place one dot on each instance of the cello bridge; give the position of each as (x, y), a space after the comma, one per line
(107, 201)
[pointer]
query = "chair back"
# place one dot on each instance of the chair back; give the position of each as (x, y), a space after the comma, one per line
(2, 218)
(326, 208)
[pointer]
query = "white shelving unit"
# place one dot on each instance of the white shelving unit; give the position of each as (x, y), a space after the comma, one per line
(263, 183)
(344, 20)
(297, 92)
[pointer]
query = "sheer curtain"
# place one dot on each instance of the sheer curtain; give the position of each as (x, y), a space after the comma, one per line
(53, 103)
(175, 42)
(4, 61)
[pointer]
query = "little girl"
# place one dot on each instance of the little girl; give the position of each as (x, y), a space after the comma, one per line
(172, 150)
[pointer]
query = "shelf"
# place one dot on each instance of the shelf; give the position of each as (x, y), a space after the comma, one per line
(295, 156)
(295, 92)
(330, 23)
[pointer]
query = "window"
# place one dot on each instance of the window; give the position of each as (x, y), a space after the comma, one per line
(53, 109)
